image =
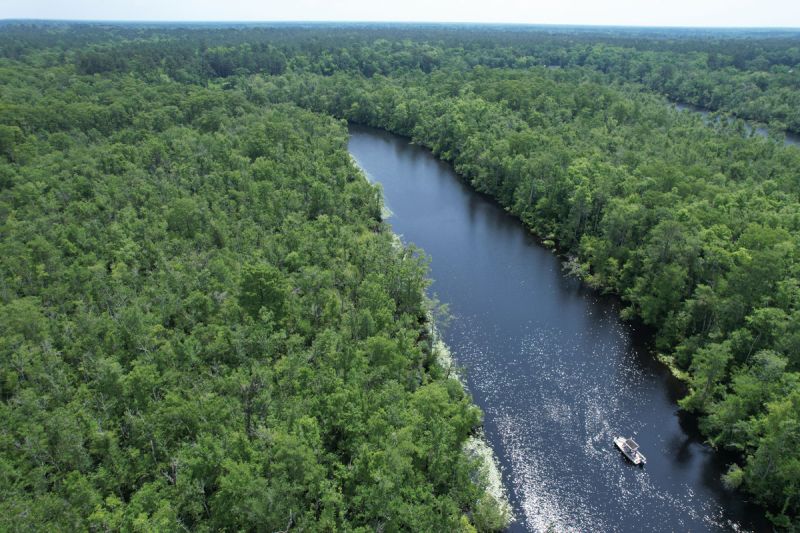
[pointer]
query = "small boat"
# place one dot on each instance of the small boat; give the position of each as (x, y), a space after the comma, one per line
(630, 449)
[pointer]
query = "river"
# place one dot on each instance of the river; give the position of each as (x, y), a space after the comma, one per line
(789, 138)
(555, 370)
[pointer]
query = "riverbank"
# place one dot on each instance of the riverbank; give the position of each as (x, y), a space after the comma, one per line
(487, 474)
(476, 447)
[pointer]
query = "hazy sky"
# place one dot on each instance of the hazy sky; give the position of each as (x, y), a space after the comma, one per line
(783, 13)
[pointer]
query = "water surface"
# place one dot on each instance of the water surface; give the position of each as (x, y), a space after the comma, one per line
(555, 371)
(789, 138)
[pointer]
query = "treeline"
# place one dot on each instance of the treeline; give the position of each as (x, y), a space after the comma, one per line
(698, 229)
(752, 74)
(204, 324)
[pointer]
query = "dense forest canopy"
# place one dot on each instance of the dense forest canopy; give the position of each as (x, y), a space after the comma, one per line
(204, 324)
(750, 73)
(188, 251)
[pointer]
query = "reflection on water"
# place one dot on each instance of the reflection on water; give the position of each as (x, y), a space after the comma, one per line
(557, 374)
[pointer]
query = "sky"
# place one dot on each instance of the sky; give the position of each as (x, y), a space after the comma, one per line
(705, 13)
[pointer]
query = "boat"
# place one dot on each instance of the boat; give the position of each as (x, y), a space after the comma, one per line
(630, 449)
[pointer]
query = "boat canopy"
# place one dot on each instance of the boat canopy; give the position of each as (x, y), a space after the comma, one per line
(631, 444)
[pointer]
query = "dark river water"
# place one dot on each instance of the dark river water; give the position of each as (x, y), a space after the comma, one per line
(555, 371)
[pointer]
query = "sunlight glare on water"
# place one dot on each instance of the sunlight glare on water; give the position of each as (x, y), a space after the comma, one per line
(556, 372)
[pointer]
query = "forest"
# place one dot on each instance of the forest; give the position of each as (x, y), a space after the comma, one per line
(206, 325)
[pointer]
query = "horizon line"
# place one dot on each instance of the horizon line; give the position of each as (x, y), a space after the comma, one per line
(391, 22)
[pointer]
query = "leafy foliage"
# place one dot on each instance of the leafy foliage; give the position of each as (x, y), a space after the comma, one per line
(694, 225)
(204, 325)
